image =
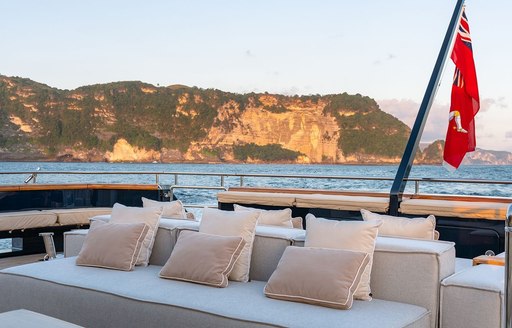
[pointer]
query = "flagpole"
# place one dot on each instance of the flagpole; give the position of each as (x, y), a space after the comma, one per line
(508, 267)
(397, 189)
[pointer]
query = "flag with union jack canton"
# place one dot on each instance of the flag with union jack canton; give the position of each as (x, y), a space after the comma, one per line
(465, 101)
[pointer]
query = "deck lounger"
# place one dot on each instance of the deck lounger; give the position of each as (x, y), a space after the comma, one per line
(78, 216)
(259, 198)
(342, 202)
(451, 208)
(26, 220)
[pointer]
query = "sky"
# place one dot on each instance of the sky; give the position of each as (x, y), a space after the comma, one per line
(382, 49)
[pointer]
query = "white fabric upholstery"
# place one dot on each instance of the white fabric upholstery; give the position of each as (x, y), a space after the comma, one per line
(95, 297)
(473, 298)
(26, 220)
(342, 202)
(25, 318)
(404, 270)
(450, 208)
(73, 241)
(411, 270)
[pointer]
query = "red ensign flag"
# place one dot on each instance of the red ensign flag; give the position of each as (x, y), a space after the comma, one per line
(460, 137)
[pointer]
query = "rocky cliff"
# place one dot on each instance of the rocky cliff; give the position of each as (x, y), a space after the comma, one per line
(135, 121)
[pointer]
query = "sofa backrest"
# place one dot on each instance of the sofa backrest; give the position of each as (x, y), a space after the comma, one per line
(404, 270)
(269, 245)
(411, 271)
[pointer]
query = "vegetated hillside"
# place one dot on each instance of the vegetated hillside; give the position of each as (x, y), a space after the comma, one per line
(135, 121)
(433, 154)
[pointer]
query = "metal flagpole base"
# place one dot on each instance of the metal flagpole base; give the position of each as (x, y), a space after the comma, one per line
(508, 268)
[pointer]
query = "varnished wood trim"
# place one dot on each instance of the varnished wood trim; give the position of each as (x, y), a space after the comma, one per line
(464, 198)
(493, 260)
(123, 186)
(309, 191)
(99, 186)
(9, 188)
(32, 187)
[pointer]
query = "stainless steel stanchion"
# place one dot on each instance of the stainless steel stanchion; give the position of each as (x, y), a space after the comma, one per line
(508, 268)
(49, 246)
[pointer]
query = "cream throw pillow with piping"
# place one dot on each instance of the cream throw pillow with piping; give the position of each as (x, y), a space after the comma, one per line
(149, 216)
(112, 246)
(230, 223)
(170, 210)
(203, 258)
(356, 236)
(280, 218)
(421, 228)
(332, 286)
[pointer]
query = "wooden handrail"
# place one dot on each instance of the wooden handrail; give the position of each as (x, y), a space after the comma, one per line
(78, 186)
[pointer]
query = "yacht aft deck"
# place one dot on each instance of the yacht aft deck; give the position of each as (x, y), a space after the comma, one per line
(474, 223)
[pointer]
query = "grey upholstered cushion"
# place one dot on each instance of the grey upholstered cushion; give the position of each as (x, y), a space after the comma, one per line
(474, 298)
(411, 270)
(107, 298)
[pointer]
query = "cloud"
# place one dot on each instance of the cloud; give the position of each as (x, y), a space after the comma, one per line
(488, 103)
(406, 110)
(389, 57)
(508, 134)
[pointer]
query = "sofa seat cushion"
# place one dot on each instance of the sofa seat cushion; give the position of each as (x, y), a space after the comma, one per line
(26, 220)
(342, 202)
(140, 298)
(470, 293)
(450, 208)
(75, 216)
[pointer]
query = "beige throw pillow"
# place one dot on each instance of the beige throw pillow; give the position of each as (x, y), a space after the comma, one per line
(422, 228)
(349, 235)
(298, 277)
(170, 210)
(280, 218)
(229, 223)
(297, 223)
(112, 246)
(203, 258)
(149, 215)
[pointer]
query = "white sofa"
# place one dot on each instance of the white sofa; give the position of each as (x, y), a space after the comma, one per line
(405, 282)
